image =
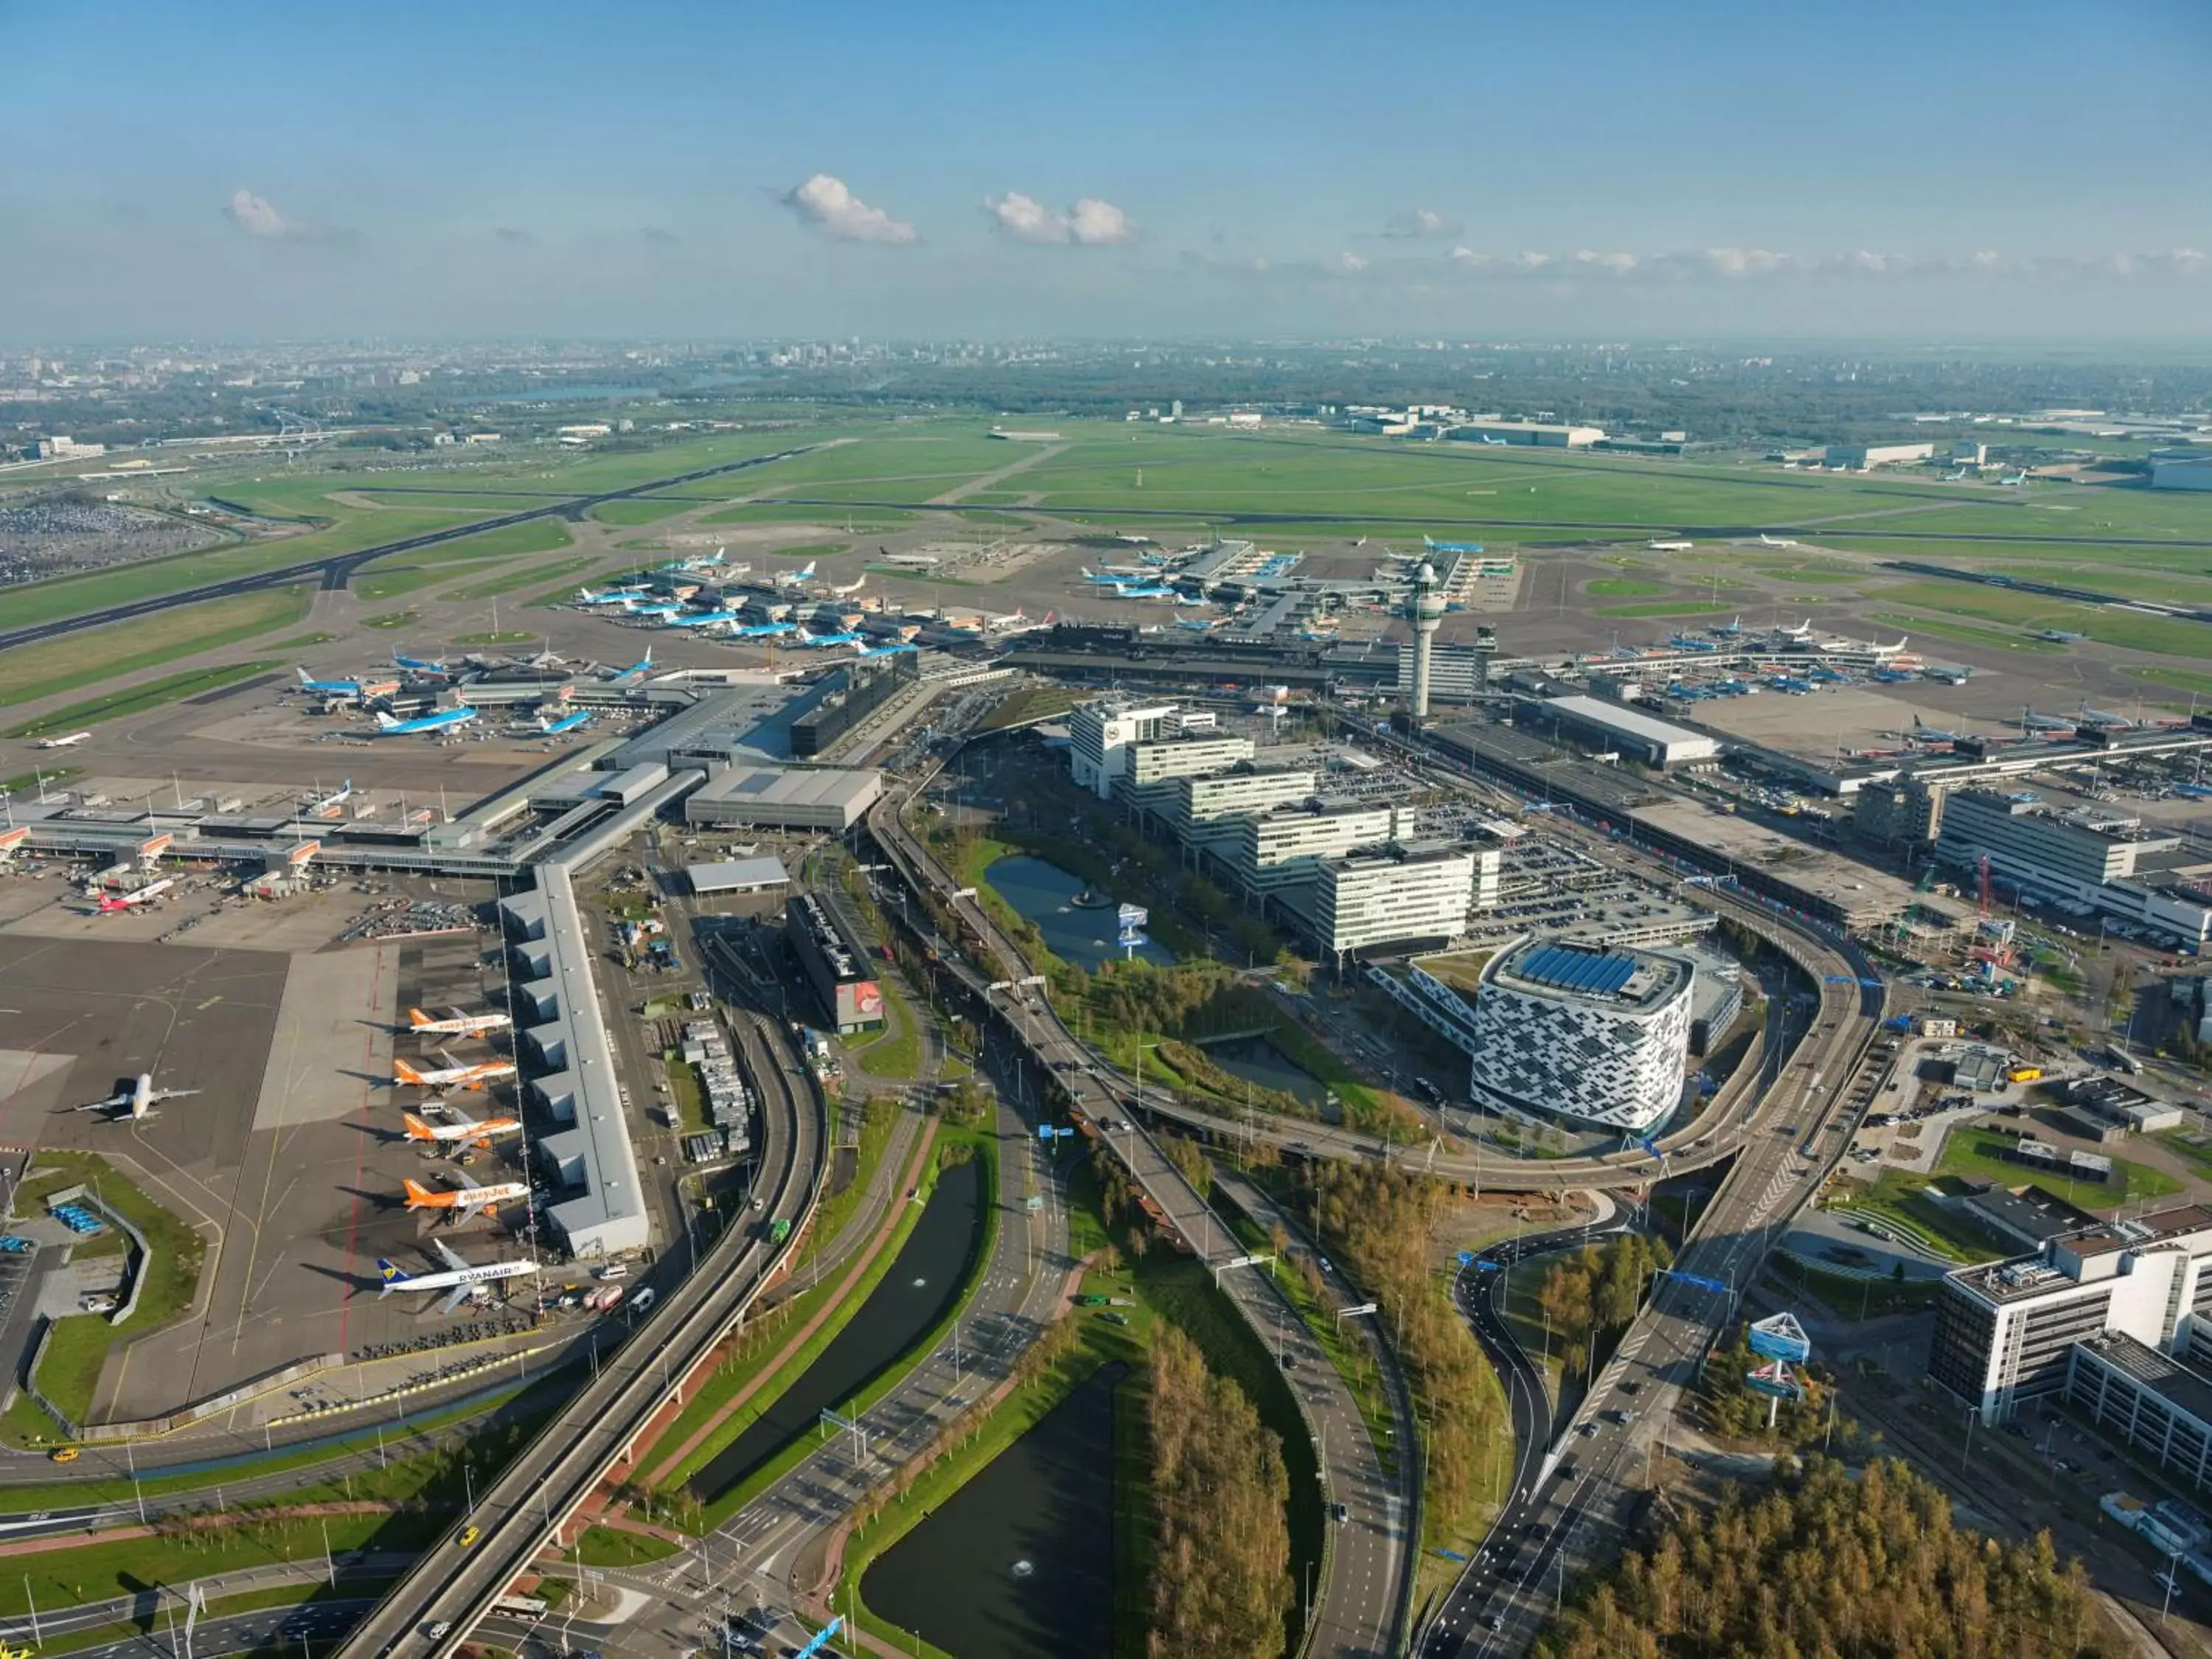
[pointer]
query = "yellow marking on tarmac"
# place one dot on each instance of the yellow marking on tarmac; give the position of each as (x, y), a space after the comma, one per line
(202, 1007)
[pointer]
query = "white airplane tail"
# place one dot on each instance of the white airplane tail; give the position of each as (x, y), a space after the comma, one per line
(384, 722)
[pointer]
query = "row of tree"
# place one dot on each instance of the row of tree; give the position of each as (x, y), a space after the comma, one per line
(1593, 1295)
(1221, 1547)
(1823, 1564)
(1380, 1223)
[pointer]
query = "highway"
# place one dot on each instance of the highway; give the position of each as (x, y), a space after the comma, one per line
(1357, 1604)
(454, 1584)
(1584, 1501)
(334, 570)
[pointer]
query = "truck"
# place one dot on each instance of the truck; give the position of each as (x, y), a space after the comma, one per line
(779, 1230)
(2025, 1074)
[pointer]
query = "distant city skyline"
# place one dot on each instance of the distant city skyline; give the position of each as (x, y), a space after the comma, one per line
(1608, 171)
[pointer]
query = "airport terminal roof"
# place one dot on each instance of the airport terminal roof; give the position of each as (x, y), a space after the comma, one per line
(738, 876)
(800, 788)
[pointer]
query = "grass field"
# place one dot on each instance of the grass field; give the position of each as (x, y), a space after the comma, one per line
(1966, 633)
(403, 573)
(32, 672)
(2158, 634)
(139, 698)
(1622, 587)
(528, 576)
(643, 511)
(2179, 679)
(1981, 1156)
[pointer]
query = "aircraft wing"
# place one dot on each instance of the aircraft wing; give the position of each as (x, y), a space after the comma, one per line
(106, 1105)
(172, 1094)
(448, 1254)
(469, 1182)
(453, 1299)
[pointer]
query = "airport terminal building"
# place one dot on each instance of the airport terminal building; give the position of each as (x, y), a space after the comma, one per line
(1601, 1037)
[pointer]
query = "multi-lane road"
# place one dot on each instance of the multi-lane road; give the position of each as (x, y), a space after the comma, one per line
(1359, 1598)
(335, 569)
(454, 1583)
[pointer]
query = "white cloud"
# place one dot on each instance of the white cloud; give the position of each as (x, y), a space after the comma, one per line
(826, 205)
(1094, 223)
(1090, 223)
(1611, 264)
(1421, 222)
(255, 215)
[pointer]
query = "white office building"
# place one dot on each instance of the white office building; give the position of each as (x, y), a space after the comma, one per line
(1597, 1034)
(1203, 811)
(2005, 1330)
(1100, 734)
(1284, 850)
(1394, 897)
(1150, 770)
(2093, 855)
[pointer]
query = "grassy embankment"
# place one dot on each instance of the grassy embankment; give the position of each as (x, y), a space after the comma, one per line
(77, 1345)
(1158, 1289)
(101, 656)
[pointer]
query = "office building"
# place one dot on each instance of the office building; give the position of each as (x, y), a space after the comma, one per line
(2004, 1330)
(1599, 1035)
(1392, 898)
(1458, 671)
(1284, 850)
(2159, 1405)
(1100, 734)
(1898, 813)
(1202, 811)
(836, 964)
(2093, 855)
(1638, 737)
(756, 875)
(1150, 770)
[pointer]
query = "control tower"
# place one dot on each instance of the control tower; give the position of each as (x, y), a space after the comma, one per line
(1424, 609)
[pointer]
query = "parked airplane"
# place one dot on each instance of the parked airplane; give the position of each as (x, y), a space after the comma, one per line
(695, 561)
(1112, 576)
(444, 720)
(2031, 721)
(1199, 624)
(460, 1279)
(566, 723)
(472, 1199)
(626, 675)
(841, 589)
(1730, 628)
(69, 742)
(1691, 642)
(767, 630)
(656, 610)
(329, 688)
(621, 596)
(459, 1127)
(815, 641)
(456, 1024)
(2018, 478)
(420, 665)
(327, 806)
(1925, 733)
(136, 1102)
(880, 650)
(2106, 717)
(452, 1073)
(1802, 630)
(1765, 540)
(794, 578)
(702, 618)
(1148, 591)
(130, 901)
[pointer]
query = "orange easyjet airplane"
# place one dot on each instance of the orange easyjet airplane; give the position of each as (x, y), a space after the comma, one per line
(452, 1073)
(472, 1199)
(461, 1127)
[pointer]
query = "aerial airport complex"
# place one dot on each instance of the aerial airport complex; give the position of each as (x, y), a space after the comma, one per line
(470, 993)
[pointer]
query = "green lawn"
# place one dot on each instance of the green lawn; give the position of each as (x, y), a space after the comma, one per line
(2179, 679)
(78, 1344)
(1980, 1156)
(1899, 1201)
(897, 1054)
(102, 655)
(1621, 587)
(645, 510)
(528, 576)
(618, 1547)
(138, 698)
(403, 573)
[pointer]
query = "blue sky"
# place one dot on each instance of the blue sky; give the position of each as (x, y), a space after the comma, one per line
(1601, 170)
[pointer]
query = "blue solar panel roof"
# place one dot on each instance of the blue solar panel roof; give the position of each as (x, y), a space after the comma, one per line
(1596, 973)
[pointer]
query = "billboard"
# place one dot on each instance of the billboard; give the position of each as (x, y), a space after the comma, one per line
(1131, 917)
(1775, 1381)
(860, 1002)
(1780, 1338)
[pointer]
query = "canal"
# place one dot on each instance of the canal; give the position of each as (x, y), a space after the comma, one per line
(1261, 1063)
(920, 1287)
(1045, 894)
(1020, 1560)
